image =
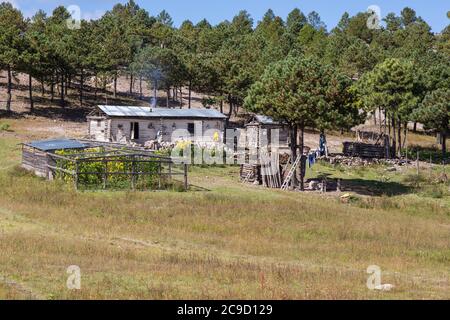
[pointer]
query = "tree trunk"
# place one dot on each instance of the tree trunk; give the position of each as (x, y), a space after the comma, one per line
(42, 87)
(293, 145)
(190, 93)
(399, 130)
(81, 87)
(181, 97)
(389, 122)
(387, 147)
(9, 96)
(63, 104)
(115, 86)
(30, 89)
(394, 137)
(301, 147)
(68, 79)
(52, 89)
(221, 105)
(381, 122)
(415, 127)
(95, 86)
(405, 133)
(444, 146)
(140, 87)
(168, 98)
(230, 102)
(131, 84)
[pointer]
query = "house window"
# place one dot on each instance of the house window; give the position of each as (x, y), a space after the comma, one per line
(134, 131)
(191, 128)
(99, 123)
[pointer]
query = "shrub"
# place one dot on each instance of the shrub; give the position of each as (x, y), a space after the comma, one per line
(4, 127)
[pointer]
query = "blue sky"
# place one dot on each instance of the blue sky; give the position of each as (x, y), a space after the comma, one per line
(433, 11)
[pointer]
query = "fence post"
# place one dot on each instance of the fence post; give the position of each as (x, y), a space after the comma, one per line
(418, 164)
(105, 173)
(431, 167)
(159, 173)
(185, 177)
(133, 186)
(75, 178)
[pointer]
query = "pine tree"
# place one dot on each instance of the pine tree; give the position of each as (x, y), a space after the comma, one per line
(12, 30)
(434, 113)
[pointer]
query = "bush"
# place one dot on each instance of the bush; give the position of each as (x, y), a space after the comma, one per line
(4, 127)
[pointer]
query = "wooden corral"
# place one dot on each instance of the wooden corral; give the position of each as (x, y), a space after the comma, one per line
(103, 167)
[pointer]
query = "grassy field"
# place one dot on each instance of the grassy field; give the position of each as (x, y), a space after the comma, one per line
(224, 239)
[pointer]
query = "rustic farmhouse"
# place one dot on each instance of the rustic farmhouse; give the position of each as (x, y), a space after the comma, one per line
(125, 124)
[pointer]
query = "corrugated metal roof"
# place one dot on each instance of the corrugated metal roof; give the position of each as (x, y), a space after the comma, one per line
(147, 112)
(59, 144)
(265, 119)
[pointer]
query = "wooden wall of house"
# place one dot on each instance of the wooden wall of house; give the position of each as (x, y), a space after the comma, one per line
(99, 128)
(120, 129)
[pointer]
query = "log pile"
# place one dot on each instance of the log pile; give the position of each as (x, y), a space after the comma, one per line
(358, 161)
(250, 173)
(363, 150)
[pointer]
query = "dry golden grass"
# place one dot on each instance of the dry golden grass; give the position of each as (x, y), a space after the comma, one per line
(231, 242)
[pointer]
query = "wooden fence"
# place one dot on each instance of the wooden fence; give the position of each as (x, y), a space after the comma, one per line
(108, 165)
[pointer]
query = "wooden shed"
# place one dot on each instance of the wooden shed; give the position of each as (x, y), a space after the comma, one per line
(262, 129)
(35, 156)
(263, 125)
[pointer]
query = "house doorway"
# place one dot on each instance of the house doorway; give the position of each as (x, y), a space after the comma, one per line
(134, 131)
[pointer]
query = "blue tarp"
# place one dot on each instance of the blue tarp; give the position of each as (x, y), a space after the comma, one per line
(58, 144)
